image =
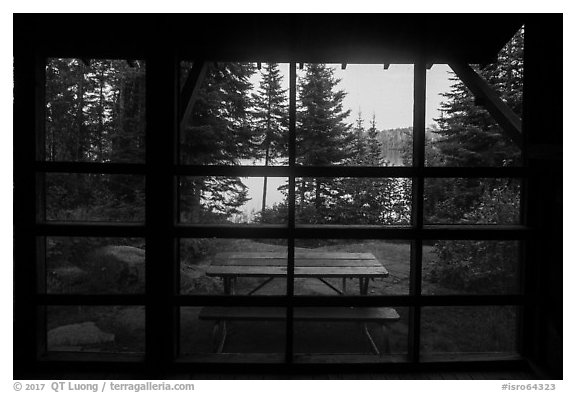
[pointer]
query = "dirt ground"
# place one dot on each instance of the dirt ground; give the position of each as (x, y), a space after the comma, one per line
(309, 337)
(444, 329)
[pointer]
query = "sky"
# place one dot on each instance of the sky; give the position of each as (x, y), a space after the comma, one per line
(386, 93)
(373, 90)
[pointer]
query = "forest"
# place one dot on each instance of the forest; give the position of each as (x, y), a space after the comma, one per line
(96, 112)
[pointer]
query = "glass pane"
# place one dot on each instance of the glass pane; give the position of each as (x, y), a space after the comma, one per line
(117, 329)
(471, 201)
(238, 200)
(95, 110)
(239, 115)
(360, 116)
(91, 265)
(327, 267)
(469, 329)
(363, 333)
(94, 197)
(460, 132)
(350, 201)
(506, 75)
(471, 267)
(241, 330)
(213, 266)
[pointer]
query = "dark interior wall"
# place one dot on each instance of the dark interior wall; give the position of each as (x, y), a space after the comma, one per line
(542, 126)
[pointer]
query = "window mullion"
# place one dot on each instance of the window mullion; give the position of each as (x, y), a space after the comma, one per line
(291, 214)
(417, 207)
(161, 264)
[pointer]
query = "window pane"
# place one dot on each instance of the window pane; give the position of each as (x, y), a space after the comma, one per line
(483, 329)
(94, 197)
(460, 132)
(117, 329)
(95, 110)
(90, 265)
(227, 200)
(360, 116)
(213, 266)
(239, 115)
(328, 267)
(217, 332)
(471, 267)
(471, 201)
(362, 334)
(353, 201)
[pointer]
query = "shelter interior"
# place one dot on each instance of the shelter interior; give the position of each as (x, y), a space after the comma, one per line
(162, 42)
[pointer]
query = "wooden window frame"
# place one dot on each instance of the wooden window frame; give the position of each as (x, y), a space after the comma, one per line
(162, 231)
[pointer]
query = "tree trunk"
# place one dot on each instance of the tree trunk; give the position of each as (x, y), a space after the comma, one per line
(265, 179)
(302, 194)
(80, 116)
(318, 198)
(195, 208)
(101, 115)
(267, 158)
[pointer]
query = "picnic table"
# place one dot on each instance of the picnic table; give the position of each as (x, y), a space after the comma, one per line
(321, 265)
(313, 264)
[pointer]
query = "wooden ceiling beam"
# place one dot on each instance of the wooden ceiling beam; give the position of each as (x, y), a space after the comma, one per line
(484, 93)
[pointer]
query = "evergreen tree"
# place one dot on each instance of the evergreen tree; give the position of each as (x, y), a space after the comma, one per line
(377, 200)
(218, 132)
(270, 116)
(92, 116)
(324, 137)
(358, 152)
(469, 136)
(375, 149)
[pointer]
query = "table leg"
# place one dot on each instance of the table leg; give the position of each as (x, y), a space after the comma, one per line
(363, 281)
(229, 285)
(370, 339)
(219, 336)
(385, 338)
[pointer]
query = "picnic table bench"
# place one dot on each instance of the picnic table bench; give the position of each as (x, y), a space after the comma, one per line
(321, 265)
(379, 315)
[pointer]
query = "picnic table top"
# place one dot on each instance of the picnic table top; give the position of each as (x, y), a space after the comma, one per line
(307, 264)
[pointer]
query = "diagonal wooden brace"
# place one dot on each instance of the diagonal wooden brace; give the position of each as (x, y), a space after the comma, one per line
(509, 121)
(190, 90)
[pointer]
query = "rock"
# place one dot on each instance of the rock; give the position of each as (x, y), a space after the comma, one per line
(116, 269)
(193, 280)
(67, 279)
(77, 335)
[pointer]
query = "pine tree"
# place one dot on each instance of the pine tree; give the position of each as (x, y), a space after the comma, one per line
(323, 138)
(374, 153)
(270, 116)
(218, 132)
(358, 151)
(469, 136)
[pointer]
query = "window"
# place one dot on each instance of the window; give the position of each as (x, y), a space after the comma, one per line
(138, 205)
